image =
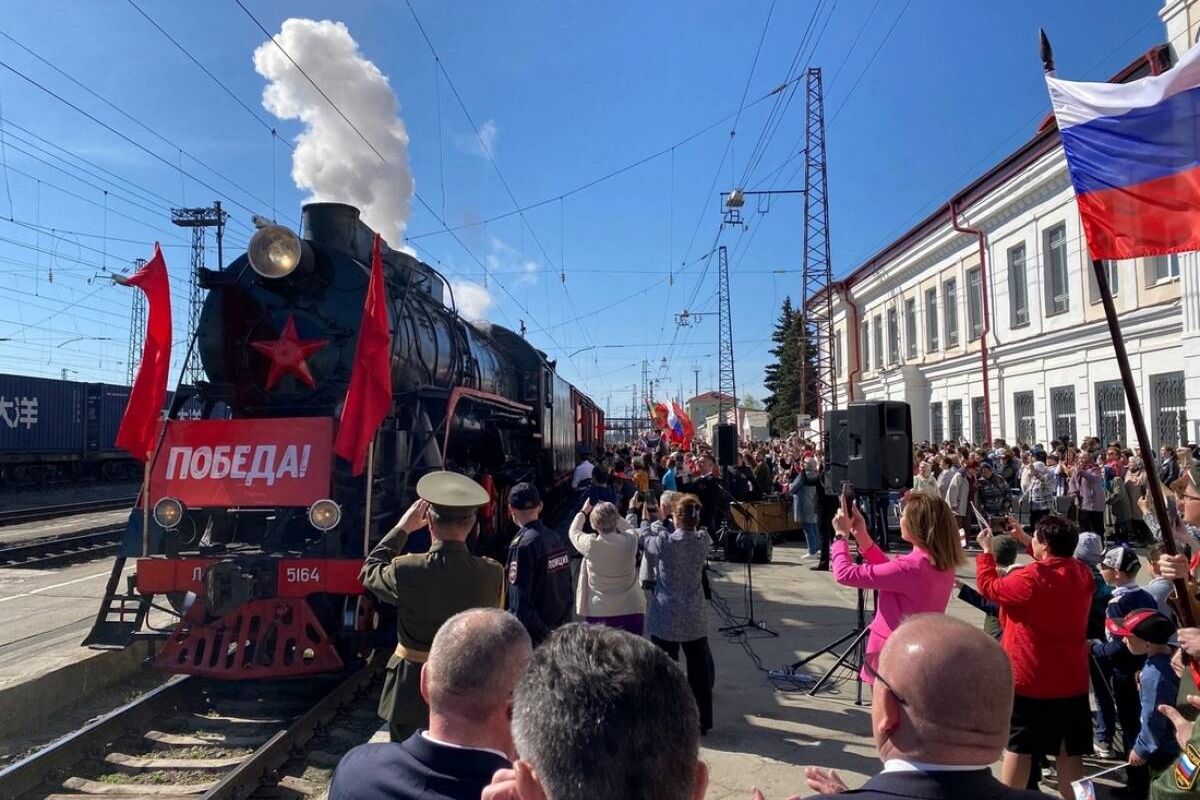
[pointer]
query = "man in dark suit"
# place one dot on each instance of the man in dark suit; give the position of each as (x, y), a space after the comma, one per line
(474, 662)
(937, 734)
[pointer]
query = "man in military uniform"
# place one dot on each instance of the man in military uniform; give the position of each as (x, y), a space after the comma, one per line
(539, 568)
(428, 588)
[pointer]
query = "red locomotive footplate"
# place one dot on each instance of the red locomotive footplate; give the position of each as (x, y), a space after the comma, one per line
(298, 577)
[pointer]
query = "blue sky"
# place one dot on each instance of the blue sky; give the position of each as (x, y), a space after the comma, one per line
(930, 95)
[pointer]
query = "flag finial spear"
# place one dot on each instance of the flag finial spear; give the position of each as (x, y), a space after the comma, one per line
(1046, 50)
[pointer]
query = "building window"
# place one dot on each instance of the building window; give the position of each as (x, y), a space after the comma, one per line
(837, 354)
(1110, 412)
(1162, 268)
(1023, 414)
(910, 326)
(936, 431)
(950, 301)
(893, 336)
(956, 420)
(977, 419)
(866, 347)
(1112, 272)
(878, 342)
(975, 302)
(931, 320)
(1018, 288)
(1168, 403)
(1058, 289)
(1062, 414)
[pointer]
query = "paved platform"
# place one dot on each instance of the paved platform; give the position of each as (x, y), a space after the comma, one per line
(54, 528)
(765, 737)
(44, 615)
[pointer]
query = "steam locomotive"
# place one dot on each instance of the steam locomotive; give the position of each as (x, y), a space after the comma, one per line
(251, 529)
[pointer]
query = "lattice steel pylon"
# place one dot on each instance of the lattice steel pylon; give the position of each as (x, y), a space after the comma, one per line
(817, 280)
(726, 384)
(137, 327)
(199, 220)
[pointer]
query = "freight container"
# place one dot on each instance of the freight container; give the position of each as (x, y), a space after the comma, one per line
(40, 418)
(109, 406)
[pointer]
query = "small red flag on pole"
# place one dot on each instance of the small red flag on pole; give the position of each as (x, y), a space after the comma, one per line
(139, 426)
(369, 397)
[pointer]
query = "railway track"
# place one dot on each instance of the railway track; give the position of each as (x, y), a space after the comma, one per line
(60, 550)
(40, 513)
(190, 738)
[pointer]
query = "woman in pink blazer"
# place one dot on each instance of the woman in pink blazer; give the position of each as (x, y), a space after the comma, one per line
(910, 584)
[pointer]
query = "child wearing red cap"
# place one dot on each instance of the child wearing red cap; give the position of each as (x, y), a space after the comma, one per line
(1148, 633)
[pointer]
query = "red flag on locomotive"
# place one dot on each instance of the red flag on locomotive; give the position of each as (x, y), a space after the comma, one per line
(370, 394)
(139, 425)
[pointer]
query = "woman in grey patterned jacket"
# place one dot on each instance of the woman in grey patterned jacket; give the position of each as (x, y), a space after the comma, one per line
(677, 615)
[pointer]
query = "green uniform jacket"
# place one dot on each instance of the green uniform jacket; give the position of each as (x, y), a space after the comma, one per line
(427, 589)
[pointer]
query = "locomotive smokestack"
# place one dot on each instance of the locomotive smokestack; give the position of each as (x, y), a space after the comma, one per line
(337, 226)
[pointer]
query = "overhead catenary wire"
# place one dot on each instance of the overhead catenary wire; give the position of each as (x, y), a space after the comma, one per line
(139, 123)
(428, 208)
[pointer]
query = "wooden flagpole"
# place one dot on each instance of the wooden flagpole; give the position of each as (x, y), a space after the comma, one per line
(1153, 485)
(370, 492)
(146, 506)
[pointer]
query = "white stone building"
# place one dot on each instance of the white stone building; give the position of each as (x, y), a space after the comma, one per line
(911, 323)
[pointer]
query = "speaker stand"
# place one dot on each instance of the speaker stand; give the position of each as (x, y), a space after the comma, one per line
(747, 548)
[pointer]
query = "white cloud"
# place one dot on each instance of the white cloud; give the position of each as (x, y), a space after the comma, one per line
(472, 299)
(330, 159)
(482, 145)
(503, 257)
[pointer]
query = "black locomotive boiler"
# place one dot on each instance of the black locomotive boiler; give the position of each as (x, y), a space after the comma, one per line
(256, 529)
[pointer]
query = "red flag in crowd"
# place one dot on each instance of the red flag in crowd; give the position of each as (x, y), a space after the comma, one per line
(139, 426)
(369, 397)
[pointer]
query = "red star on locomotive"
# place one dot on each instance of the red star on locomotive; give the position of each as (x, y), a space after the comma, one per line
(258, 529)
(288, 354)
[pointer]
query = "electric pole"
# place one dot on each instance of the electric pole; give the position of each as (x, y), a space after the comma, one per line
(726, 385)
(199, 220)
(816, 304)
(137, 328)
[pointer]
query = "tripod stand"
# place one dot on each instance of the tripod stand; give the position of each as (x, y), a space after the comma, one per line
(746, 545)
(855, 653)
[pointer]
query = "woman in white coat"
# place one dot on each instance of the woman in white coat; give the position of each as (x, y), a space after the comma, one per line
(609, 592)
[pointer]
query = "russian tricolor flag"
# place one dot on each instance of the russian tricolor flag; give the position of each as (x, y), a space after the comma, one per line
(1133, 152)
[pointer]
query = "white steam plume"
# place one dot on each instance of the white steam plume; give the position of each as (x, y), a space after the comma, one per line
(330, 159)
(472, 299)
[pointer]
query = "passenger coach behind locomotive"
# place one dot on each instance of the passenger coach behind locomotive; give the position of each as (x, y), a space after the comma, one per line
(251, 505)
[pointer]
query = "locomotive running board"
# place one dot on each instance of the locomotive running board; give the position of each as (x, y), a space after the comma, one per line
(121, 616)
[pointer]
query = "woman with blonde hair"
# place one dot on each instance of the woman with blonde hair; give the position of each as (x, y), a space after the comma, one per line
(916, 583)
(677, 609)
(609, 592)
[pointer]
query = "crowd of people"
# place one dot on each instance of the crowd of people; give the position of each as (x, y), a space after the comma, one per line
(517, 705)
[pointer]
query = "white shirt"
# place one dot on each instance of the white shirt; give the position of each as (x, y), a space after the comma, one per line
(425, 735)
(582, 473)
(902, 765)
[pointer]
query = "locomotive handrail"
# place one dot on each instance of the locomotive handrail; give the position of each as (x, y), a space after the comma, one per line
(459, 392)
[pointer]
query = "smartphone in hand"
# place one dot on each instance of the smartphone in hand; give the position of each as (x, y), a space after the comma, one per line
(847, 498)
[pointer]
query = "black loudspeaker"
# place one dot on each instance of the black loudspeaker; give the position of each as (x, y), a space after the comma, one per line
(837, 449)
(725, 444)
(880, 446)
(758, 547)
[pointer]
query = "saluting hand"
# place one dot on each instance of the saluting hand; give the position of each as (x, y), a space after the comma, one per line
(415, 518)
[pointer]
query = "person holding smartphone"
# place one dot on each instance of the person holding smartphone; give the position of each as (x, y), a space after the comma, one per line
(916, 583)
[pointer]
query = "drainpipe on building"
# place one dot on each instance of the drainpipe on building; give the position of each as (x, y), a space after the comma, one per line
(852, 332)
(987, 317)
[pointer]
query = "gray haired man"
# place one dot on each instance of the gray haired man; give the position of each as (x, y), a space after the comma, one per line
(601, 714)
(468, 681)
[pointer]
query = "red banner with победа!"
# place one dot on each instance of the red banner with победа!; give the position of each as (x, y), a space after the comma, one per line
(244, 462)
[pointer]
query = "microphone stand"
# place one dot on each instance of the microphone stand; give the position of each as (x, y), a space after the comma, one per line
(746, 545)
(854, 655)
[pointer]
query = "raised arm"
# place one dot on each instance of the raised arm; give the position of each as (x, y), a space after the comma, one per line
(882, 573)
(581, 540)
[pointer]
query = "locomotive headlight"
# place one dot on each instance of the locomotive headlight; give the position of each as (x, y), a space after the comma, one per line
(275, 251)
(324, 515)
(168, 513)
